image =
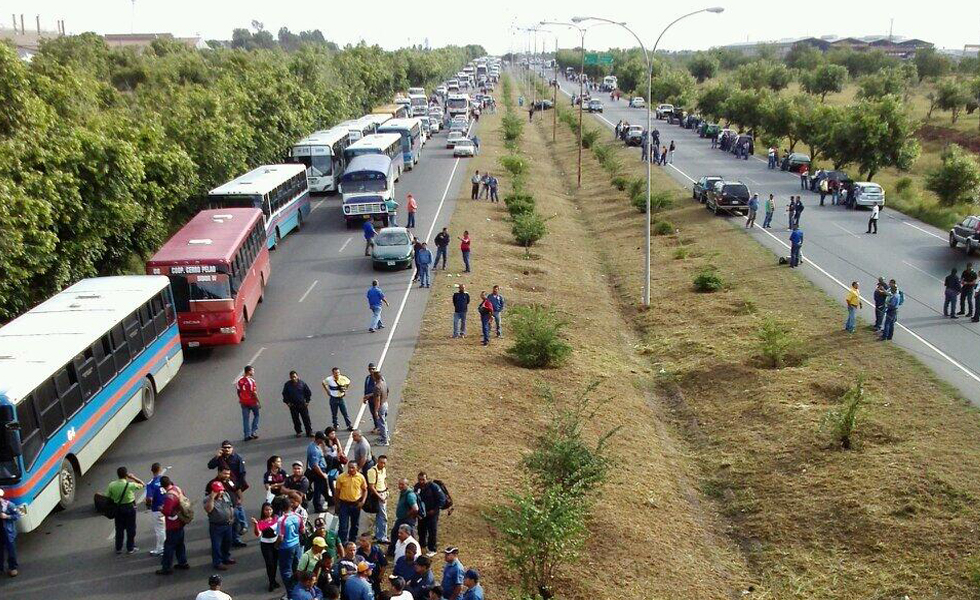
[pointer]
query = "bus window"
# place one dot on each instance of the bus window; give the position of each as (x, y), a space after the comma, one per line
(30, 432)
(66, 384)
(102, 350)
(120, 349)
(210, 287)
(51, 413)
(88, 374)
(159, 314)
(146, 323)
(131, 325)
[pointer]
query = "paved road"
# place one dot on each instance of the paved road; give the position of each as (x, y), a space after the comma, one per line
(314, 317)
(837, 250)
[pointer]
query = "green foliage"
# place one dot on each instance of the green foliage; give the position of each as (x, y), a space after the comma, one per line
(515, 164)
(952, 96)
(621, 182)
(673, 86)
(930, 63)
(703, 66)
(589, 137)
(903, 185)
(663, 228)
(776, 341)
(712, 99)
(538, 337)
(513, 127)
(824, 79)
(746, 107)
(861, 62)
(957, 178)
(707, 280)
(876, 134)
(528, 228)
(841, 421)
(659, 201)
(518, 203)
(761, 75)
(803, 57)
(606, 156)
(894, 80)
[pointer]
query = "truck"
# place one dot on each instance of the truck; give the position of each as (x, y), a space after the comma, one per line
(609, 83)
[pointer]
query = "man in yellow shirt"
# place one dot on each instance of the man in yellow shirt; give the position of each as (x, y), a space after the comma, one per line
(377, 482)
(853, 300)
(351, 490)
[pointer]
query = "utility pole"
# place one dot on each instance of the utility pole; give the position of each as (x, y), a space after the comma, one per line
(132, 18)
(554, 109)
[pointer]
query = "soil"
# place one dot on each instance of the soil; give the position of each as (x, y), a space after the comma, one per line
(947, 135)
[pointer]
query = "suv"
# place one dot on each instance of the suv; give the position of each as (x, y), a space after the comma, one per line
(701, 186)
(966, 232)
(663, 110)
(676, 116)
(730, 196)
(637, 102)
(709, 130)
(634, 135)
(594, 106)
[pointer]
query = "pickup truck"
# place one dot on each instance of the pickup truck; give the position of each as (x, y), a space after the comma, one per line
(663, 110)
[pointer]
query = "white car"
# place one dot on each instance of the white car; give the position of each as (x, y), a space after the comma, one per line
(437, 114)
(453, 138)
(663, 110)
(637, 102)
(867, 193)
(434, 126)
(441, 90)
(464, 147)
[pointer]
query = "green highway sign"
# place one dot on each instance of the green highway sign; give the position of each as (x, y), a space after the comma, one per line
(597, 58)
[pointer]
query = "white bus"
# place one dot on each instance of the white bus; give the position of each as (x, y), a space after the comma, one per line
(410, 131)
(74, 373)
(322, 153)
(420, 104)
(281, 191)
(415, 90)
(388, 144)
(458, 104)
(358, 128)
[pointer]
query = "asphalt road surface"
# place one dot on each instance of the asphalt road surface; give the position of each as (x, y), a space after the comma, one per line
(314, 317)
(836, 249)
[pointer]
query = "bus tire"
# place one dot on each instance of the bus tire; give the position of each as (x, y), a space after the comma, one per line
(67, 483)
(299, 220)
(148, 401)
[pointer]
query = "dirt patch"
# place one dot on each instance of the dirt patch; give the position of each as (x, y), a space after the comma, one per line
(947, 135)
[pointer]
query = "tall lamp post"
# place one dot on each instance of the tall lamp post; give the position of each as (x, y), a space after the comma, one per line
(648, 57)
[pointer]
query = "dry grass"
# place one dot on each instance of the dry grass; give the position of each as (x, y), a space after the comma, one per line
(894, 517)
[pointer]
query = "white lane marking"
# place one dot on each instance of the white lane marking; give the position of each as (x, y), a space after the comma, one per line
(847, 231)
(251, 361)
(689, 178)
(345, 244)
(316, 206)
(309, 289)
(905, 262)
(401, 306)
(913, 226)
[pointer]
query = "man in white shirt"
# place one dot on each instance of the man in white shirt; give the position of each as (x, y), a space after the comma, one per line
(873, 221)
(405, 539)
(336, 388)
(214, 590)
(398, 591)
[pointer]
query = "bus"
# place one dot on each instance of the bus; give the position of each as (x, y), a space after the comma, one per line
(366, 186)
(411, 132)
(281, 191)
(322, 153)
(218, 265)
(75, 371)
(458, 104)
(388, 144)
(394, 111)
(420, 104)
(377, 120)
(359, 128)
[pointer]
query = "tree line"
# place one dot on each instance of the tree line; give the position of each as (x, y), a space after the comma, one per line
(104, 152)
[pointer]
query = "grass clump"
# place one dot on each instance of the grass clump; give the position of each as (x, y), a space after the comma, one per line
(528, 228)
(589, 137)
(840, 422)
(707, 281)
(776, 342)
(538, 340)
(663, 228)
(620, 182)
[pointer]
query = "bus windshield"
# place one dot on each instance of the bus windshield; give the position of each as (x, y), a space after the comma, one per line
(361, 183)
(454, 103)
(237, 201)
(318, 165)
(187, 288)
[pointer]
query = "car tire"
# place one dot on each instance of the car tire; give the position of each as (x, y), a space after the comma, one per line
(694, 194)
(952, 241)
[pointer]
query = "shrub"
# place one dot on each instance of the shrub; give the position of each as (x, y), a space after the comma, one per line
(589, 137)
(661, 201)
(528, 228)
(620, 182)
(513, 127)
(776, 341)
(663, 228)
(841, 421)
(707, 281)
(514, 164)
(537, 334)
(518, 203)
(903, 185)
(680, 253)
(957, 179)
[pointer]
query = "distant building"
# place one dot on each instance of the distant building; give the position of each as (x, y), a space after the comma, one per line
(26, 43)
(141, 40)
(896, 46)
(971, 50)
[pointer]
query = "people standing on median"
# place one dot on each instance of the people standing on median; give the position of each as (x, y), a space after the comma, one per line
(853, 302)
(431, 496)
(122, 492)
(880, 297)
(895, 299)
(452, 574)
(952, 287)
(248, 399)
(493, 189)
(442, 247)
(770, 209)
(380, 401)
(464, 248)
(175, 519)
(424, 259)
(485, 186)
(335, 386)
(377, 483)
(670, 154)
(411, 206)
(969, 283)
(753, 210)
(461, 301)
(376, 299)
(154, 502)
(475, 186)
(369, 233)
(796, 244)
(497, 301)
(370, 553)
(296, 395)
(9, 515)
(361, 452)
(873, 221)
(486, 314)
(368, 393)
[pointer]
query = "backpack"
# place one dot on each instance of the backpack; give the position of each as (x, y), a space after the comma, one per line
(420, 504)
(901, 297)
(185, 510)
(448, 502)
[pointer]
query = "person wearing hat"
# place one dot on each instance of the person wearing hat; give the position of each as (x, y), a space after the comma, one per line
(359, 587)
(221, 515)
(309, 563)
(297, 480)
(422, 581)
(370, 552)
(8, 534)
(474, 591)
(214, 590)
(452, 574)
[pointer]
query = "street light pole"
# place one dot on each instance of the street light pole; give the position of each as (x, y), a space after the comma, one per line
(648, 56)
(554, 109)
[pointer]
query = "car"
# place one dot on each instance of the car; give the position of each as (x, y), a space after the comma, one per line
(637, 102)
(392, 249)
(464, 147)
(867, 193)
(794, 162)
(634, 135)
(676, 116)
(709, 130)
(441, 90)
(966, 232)
(701, 186)
(543, 104)
(434, 126)
(739, 140)
(728, 196)
(594, 106)
(663, 110)
(454, 136)
(820, 175)
(459, 126)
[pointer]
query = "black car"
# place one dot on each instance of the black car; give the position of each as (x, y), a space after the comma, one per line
(729, 196)
(675, 116)
(739, 141)
(543, 104)
(966, 232)
(701, 186)
(820, 175)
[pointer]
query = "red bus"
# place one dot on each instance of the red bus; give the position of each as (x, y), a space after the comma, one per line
(218, 265)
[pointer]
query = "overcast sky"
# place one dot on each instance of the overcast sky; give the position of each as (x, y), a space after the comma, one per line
(947, 23)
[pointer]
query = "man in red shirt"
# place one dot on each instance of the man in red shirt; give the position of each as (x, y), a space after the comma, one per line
(464, 247)
(174, 543)
(486, 314)
(248, 398)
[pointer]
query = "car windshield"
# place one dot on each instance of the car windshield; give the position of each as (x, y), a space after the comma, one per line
(392, 238)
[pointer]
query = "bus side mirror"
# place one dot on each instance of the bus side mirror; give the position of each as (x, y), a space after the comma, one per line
(6, 414)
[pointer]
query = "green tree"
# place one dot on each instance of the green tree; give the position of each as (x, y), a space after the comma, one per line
(804, 57)
(712, 98)
(673, 86)
(951, 95)
(703, 66)
(957, 179)
(823, 80)
(880, 134)
(975, 92)
(780, 118)
(817, 124)
(931, 63)
(745, 107)
(893, 80)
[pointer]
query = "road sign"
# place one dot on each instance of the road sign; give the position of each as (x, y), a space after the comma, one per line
(598, 58)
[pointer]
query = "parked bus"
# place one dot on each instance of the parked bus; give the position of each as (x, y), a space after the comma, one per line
(458, 104)
(366, 185)
(74, 373)
(411, 132)
(281, 191)
(359, 128)
(218, 265)
(322, 153)
(387, 144)
(394, 111)
(420, 104)
(377, 120)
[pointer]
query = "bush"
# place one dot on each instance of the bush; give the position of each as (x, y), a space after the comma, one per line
(663, 228)
(518, 204)
(707, 281)
(589, 137)
(528, 228)
(776, 341)
(680, 253)
(903, 185)
(513, 127)
(957, 179)
(661, 201)
(841, 421)
(620, 182)
(514, 164)
(537, 334)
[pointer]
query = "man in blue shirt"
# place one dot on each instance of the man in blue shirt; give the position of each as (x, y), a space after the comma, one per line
(452, 574)
(369, 234)
(753, 210)
(306, 590)
(154, 502)
(423, 580)
(424, 260)
(796, 242)
(358, 588)
(474, 591)
(894, 300)
(290, 549)
(461, 300)
(316, 462)
(376, 298)
(9, 514)
(497, 301)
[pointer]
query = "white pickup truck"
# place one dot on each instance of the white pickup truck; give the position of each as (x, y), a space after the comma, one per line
(663, 110)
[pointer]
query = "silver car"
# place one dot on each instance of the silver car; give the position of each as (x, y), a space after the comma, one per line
(867, 193)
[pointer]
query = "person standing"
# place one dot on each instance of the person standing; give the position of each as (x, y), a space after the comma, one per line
(835, 192)
(154, 502)
(122, 491)
(485, 186)
(368, 394)
(798, 212)
(663, 155)
(173, 546)
(873, 220)
(895, 299)
(376, 299)
(486, 313)
(644, 147)
(335, 386)
(412, 206)
(471, 581)
(670, 153)
(423, 580)
(369, 233)
(214, 590)
(796, 243)
(248, 399)
(452, 574)
(969, 284)
(475, 186)
(370, 553)
(791, 211)
(853, 301)
(377, 484)
(9, 515)
(753, 210)
(770, 209)
(407, 511)
(265, 530)
(296, 395)
(497, 301)
(824, 188)
(952, 287)
(226, 459)
(424, 260)
(804, 177)
(432, 498)
(316, 464)
(361, 452)
(464, 248)
(379, 400)
(359, 587)
(880, 296)
(442, 246)
(289, 529)
(461, 301)
(221, 518)
(493, 189)
(351, 494)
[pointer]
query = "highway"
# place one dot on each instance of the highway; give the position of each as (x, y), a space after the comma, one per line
(314, 317)
(836, 249)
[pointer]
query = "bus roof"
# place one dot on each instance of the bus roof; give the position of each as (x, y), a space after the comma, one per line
(260, 180)
(376, 140)
(390, 109)
(212, 235)
(360, 124)
(44, 339)
(368, 162)
(399, 123)
(376, 119)
(326, 137)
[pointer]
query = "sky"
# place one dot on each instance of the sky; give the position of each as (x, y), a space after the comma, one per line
(946, 23)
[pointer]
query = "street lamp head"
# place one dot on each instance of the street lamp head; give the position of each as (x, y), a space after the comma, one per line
(716, 9)
(578, 19)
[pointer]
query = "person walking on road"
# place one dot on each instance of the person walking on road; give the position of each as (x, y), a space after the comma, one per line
(176, 518)
(853, 302)
(952, 287)
(461, 300)
(464, 248)
(248, 399)
(335, 386)
(296, 395)
(873, 221)
(424, 259)
(369, 233)
(969, 284)
(880, 297)
(316, 464)
(376, 299)
(9, 515)
(497, 301)
(351, 494)
(475, 186)
(442, 247)
(753, 210)
(411, 206)
(377, 484)
(770, 209)
(796, 244)
(486, 314)
(227, 461)
(670, 153)
(221, 518)
(895, 299)
(122, 492)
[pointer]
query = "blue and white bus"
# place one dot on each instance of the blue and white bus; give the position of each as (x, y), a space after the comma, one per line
(74, 373)
(387, 144)
(411, 132)
(322, 153)
(281, 191)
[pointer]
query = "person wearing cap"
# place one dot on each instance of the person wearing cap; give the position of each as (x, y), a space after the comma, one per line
(474, 591)
(370, 552)
(309, 562)
(221, 516)
(9, 515)
(297, 480)
(296, 396)
(306, 589)
(398, 591)
(452, 574)
(423, 580)
(377, 482)
(335, 386)
(173, 544)
(122, 491)
(227, 458)
(351, 494)
(214, 590)
(334, 547)
(316, 464)
(359, 587)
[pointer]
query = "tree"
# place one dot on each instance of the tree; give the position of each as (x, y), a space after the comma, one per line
(753, 76)
(893, 80)
(957, 179)
(823, 80)
(951, 95)
(676, 87)
(703, 66)
(745, 107)
(817, 124)
(712, 98)
(880, 134)
(930, 63)
(779, 119)
(803, 57)
(975, 92)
